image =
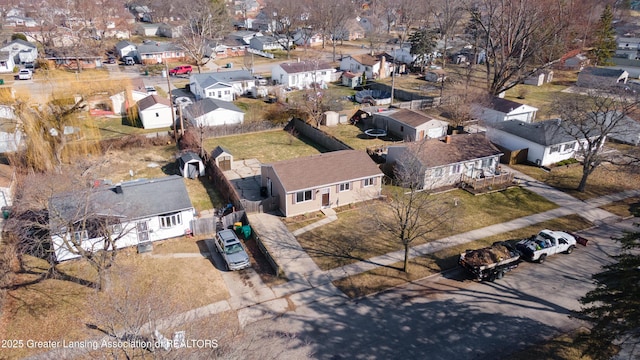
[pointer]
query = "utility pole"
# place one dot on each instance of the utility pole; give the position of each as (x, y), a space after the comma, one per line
(393, 76)
(173, 112)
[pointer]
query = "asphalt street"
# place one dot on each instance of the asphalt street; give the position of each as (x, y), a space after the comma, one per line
(449, 317)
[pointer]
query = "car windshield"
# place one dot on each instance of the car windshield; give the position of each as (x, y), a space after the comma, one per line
(232, 249)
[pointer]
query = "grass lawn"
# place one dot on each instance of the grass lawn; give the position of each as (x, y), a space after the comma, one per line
(606, 179)
(266, 146)
(625, 208)
(352, 237)
(389, 276)
(112, 127)
(51, 310)
(354, 137)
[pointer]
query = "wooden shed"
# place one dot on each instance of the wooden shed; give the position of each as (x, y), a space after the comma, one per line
(222, 158)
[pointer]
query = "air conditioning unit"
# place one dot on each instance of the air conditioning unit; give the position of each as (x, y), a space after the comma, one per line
(538, 162)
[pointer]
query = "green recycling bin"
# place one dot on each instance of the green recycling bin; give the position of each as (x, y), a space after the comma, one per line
(246, 231)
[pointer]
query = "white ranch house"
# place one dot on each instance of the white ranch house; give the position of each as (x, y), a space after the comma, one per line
(222, 85)
(503, 110)
(302, 74)
(212, 112)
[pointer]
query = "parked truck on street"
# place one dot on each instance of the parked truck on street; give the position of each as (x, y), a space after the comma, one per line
(546, 243)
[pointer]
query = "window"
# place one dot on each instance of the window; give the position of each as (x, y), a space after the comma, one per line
(79, 236)
(116, 228)
(486, 163)
(157, 114)
(437, 172)
(368, 182)
(455, 169)
(227, 92)
(219, 94)
(302, 196)
(323, 72)
(345, 187)
(568, 147)
(554, 149)
(401, 128)
(170, 220)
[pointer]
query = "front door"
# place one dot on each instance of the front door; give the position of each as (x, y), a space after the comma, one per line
(142, 229)
(325, 197)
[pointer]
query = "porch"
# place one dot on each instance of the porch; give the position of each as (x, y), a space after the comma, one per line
(490, 182)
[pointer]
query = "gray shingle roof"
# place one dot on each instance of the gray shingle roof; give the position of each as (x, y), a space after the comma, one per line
(208, 105)
(151, 100)
(219, 150)
(304, 66)
(604, 72)
(546, 133)
(156, 47)
(461, 148)
(138, 200)
(21, 42)
(411, 117)
(324, 169)
(207, 79)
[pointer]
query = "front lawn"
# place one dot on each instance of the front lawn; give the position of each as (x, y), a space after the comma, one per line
(266, 146)
(352, 238)
(354, 137)
(606, 179)
(386, 277)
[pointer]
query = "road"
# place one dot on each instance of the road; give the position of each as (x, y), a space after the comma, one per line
(446, 317)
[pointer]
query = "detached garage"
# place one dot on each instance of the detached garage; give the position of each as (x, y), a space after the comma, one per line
(191, 165)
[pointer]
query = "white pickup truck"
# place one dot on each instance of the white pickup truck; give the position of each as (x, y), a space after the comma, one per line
(545, 243)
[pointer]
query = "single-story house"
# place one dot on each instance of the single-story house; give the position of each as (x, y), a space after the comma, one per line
(244, 36)
(222, 85)
(351, 30)
(123, 100)
(503, 110)
(598, 78)
(435, 75)
(410, 125)
(373, 66)
(302, 74)
(573, 60)
(351, 80)
(626, 130)
(153, 52)
(6, 62)
(265, 43)
(222, 158)
(126, 48)
(628, 47)
(547, 141)
(449, 161)
(213, 112)
(327, 180)
(155, 112)
(191, 165)
(21, 51)
(306, 37)
(133, 213)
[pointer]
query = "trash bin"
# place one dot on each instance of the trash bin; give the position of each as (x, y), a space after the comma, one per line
(237, 227)
(1, 81)
(246, 231)
(6, 212)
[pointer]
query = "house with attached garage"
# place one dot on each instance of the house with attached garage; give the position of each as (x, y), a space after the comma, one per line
(266, 43)
(455, 160)
(131, 213)
(155, 112)
(213, 112)
(21, 51)
(222, 85)
(126, 48)
(503, 110)
(547, 142)
(153, 52)
(373, 67)
(409, 125)
(302, 74)
(327, 180)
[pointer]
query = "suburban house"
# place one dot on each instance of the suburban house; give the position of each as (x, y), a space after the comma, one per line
(134, 92)
(6, 62)
(351, 80)
(306, 37)
(20, 21)
(222, 85)
(155, 112)
(628, 47)
(327, 180)
(152, 52)
(546, 141)
(133, 213)
(449, 162)
(265, 43)
(351, 30)
(125, 48)
(302, 74)
(213, 112)
(409, 125)
(626, 129)
(373, 66)
(503, 110)
(21, 51)
(594, 77)
(244, 36)
(435, 75)
(573, 60)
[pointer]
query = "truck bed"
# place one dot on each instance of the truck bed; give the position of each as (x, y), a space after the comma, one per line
(490, 262)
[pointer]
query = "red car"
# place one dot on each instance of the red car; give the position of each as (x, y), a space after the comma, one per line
(180, 70)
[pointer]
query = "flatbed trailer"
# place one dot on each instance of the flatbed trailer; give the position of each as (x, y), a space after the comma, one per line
(492, 262)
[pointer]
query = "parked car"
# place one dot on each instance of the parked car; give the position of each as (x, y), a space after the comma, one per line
(231, 249)
(25, 74)
(128, 60)
(180, 70)
(151, 90)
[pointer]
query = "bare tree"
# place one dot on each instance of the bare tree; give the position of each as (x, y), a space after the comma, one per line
(512, 33)
(590, 119)
(447, 14)
(410, 212)
(287, 15)
(204, 21)
(329, 18)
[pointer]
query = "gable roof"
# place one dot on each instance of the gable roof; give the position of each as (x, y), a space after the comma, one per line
(219, 150)
(5, 55)
(208, 105)
(546, 133)
(366, 59)
(603, 72)
(156, 47)
(304, 66)
(504, 105)
(130, 200)
(207, 79)
(189, 156)
(21, 42)
(411, 118)
(461, 147)
(324, 169)
(151, 100)
(123, 44)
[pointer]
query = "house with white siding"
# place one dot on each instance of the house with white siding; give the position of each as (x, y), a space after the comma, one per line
(213, 112)
(302, 74)
(221, 85)
(503, 110)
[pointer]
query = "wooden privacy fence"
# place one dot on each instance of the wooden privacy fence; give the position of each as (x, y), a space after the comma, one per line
(488, 181)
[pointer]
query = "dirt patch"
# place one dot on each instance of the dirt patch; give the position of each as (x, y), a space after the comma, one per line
(261, 264)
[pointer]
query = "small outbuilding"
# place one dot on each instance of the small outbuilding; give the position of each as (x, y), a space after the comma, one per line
(222, 158)
(191, 165)
(330, 118)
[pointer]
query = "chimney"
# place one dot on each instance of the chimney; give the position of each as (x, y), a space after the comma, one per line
(447, 139)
